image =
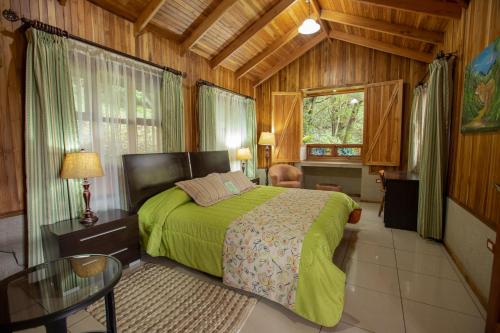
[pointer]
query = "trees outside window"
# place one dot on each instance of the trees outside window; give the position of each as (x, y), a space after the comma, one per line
(333, 124)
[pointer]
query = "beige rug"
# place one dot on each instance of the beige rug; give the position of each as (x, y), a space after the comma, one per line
(161, 299)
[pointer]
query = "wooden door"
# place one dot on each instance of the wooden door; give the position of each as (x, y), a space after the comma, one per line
(382, 123)
(493, 319)
(287, 126)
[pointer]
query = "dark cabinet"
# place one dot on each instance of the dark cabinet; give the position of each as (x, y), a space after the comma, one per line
(401, 200)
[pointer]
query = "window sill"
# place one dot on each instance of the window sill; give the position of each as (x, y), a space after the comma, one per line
(331, 164)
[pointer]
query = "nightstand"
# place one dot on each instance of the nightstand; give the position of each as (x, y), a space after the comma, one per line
(116, 233)
(255, 181)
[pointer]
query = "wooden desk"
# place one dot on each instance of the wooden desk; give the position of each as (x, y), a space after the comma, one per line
(401, 200)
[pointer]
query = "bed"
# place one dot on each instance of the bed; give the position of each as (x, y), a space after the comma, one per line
(172, 225)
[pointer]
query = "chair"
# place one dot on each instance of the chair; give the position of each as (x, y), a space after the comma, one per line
(381, 174)
(285, 175)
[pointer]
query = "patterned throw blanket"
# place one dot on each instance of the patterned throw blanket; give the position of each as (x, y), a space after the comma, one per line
(262, 248)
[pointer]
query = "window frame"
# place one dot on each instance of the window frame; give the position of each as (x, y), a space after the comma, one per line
(333, 146)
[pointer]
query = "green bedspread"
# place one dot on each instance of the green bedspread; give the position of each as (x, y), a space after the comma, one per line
(172, 225)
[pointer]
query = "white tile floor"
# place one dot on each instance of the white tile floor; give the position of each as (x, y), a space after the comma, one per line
(396, 282)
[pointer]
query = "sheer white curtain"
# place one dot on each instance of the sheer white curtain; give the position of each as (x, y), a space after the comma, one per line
(417, 120)
(118, 109)
(231, 124)
(223, 122)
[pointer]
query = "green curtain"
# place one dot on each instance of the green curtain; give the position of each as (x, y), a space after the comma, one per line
(251, 138)
(207, 118)
(51, 131)
(172, 100)
(418, 111)
(227, 121)
(434, 153)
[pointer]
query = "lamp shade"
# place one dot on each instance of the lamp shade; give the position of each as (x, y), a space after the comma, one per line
(80, 165)
(267, 139)
(243, 154)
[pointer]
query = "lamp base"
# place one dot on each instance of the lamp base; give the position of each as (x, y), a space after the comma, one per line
(89, 218)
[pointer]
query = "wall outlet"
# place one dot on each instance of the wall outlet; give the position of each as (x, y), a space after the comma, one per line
(490, 245)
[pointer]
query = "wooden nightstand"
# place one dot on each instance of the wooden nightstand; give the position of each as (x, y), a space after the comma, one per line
(116, 233)
(255, 181)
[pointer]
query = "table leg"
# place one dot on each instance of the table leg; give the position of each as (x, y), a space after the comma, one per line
(58, 326)
(110, 312)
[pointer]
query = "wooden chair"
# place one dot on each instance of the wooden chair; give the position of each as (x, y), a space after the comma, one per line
(381, 173)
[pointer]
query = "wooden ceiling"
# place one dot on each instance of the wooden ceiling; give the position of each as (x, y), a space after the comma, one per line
(256, 38)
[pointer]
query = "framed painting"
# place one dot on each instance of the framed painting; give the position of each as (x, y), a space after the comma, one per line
(481, 106)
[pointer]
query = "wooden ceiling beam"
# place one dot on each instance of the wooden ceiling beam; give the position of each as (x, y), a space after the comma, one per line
(147, 15)
(383, 26)
(312, 42)
(428, 7)
(250, 32)
(317, 10)
(381, 46)
(277, 44)
(206, 24)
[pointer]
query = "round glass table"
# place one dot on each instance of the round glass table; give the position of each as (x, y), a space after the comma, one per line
(48, 293)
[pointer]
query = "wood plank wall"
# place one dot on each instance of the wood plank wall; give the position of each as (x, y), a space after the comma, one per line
(86, 20)
(336, 63)
(475, 157)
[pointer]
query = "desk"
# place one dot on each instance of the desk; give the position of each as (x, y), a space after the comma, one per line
(401, 200)
(348, 174)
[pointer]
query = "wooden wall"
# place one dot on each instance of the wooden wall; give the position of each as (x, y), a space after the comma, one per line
(336, 63)
(475, 157)
(86, 20)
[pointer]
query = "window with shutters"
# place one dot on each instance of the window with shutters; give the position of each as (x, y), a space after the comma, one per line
(333, 125)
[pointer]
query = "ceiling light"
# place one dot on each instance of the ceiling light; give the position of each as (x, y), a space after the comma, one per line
(309, 26)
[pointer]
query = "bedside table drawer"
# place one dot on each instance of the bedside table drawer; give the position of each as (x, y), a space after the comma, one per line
(113, 240)
(115, 233)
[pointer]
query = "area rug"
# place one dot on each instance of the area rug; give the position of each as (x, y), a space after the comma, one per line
(162, 299)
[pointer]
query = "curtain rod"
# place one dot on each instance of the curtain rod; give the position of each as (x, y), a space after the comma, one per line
(210, 84)
(439, 55)
(12, 16)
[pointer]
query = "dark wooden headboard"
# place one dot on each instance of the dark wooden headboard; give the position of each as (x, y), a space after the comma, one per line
(149, 174)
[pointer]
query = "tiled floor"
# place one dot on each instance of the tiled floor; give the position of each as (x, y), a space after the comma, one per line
(396, 282)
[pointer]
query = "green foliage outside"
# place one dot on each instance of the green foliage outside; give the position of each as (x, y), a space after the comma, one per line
(334, 119)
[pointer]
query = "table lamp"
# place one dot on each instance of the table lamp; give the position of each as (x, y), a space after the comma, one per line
(243, 155)
(83, 165)
(267, 139)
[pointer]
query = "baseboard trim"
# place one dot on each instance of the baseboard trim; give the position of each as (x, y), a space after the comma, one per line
(472, 285)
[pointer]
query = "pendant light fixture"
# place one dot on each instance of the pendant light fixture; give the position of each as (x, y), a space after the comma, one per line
(309, 26)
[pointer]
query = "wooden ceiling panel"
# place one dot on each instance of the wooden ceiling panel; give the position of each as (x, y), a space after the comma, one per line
(250, 54)
(181, 16)
(386, 38)
(280, 26)
(354, 7)
(233, 23)
(128, 9)
(276, 58)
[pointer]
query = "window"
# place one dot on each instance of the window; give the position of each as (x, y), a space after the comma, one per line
(333, 126)
(118, 112)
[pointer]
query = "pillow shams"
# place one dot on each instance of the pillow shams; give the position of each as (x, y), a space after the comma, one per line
(238, 179)
(205, 191)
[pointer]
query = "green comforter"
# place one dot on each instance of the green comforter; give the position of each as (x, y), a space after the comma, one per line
(172, 225)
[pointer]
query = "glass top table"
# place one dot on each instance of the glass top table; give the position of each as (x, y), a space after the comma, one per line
(46, 294)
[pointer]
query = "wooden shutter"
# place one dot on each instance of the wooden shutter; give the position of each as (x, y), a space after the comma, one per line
(287, 126)
(382, 123)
